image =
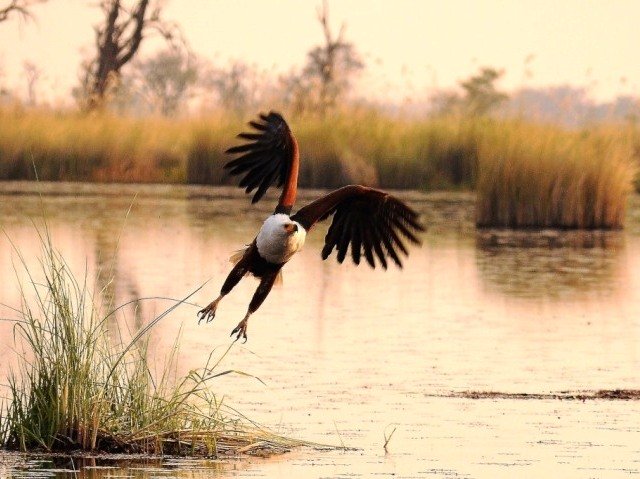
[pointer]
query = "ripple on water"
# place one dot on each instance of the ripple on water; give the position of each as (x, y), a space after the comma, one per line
(344, 352)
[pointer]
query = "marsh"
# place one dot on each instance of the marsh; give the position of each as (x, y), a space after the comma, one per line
(348, 354)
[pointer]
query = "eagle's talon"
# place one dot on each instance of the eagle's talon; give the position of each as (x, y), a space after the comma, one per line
(240, 331)
(208, 313)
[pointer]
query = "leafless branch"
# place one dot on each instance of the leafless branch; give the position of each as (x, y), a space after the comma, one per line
(329, 65)
(118, 39)
(19, 7)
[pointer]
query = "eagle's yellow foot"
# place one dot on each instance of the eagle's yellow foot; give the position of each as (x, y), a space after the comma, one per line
(241, 329)
(207, 314)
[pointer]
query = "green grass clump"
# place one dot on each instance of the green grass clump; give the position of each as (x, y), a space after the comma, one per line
(78, 386)
(539, 177)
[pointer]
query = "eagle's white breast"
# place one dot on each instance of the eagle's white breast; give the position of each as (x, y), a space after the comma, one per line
(275, 243)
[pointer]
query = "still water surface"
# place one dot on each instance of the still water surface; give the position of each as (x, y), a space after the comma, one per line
(348, 354)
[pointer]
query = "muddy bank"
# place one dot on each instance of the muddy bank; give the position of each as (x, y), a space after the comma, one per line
(604, 394)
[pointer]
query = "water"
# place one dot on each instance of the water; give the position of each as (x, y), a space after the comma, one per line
(349, 354)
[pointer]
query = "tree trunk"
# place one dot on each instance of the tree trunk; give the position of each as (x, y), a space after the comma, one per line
(114, 49)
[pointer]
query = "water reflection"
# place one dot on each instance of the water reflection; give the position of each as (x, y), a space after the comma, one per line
(550, 264)
(114, 281)
(16, 466)
(347, 349)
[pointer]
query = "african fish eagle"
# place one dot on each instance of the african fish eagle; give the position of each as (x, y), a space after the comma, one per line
(371, 221)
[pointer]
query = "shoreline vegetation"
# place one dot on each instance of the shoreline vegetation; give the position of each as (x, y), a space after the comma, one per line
(525, 174)
(82, 383)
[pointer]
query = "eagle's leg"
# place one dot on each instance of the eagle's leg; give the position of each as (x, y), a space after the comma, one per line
(266, 283)
(234, 277)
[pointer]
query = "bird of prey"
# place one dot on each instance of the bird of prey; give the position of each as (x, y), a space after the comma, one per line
(369, 222)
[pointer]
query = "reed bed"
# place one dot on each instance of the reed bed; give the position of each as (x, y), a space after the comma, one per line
(79, 386)
(69, 146)
(526, 175)
(544, 177)
(361, 146)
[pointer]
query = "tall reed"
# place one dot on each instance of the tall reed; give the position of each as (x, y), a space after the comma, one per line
(538, 177)
(526, 174)
(362, 146)
(78, 385)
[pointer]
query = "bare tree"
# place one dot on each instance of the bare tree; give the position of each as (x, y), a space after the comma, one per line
(332, 63)
(236, 86)
(118, 39)
(31, 74)
(296, 91)
(19, 7)
(328, 72)
(166, 79)
(4, 93)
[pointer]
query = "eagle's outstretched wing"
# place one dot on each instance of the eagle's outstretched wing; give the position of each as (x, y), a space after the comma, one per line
(271, 156)
(372, 221)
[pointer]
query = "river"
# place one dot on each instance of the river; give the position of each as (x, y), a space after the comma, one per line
(473, 352)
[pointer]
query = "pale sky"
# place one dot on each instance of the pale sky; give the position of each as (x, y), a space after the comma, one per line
(411, 47)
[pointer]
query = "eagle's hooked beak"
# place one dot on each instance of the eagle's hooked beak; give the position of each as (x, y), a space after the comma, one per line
(291, 228)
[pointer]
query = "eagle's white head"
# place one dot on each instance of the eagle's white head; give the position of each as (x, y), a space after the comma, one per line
(280, 238)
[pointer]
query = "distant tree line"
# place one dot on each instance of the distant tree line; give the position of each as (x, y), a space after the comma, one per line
(163, 82)
(115, 76)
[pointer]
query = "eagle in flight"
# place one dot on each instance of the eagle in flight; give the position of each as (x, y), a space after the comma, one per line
(371, 222)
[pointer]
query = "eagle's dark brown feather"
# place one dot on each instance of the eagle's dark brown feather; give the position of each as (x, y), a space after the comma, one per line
(369, 221)
(270, 157)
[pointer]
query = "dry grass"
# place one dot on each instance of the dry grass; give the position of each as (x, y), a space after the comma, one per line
(526, 175)
(356, 146)
(538, 177)
(77, 147)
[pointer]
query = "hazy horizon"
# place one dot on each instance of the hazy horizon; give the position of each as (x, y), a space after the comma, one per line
(411, 48)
